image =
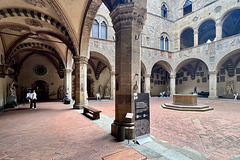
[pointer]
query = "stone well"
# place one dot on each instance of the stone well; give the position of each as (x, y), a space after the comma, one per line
(186, 102)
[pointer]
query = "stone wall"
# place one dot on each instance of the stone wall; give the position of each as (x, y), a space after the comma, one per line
(27, 75)
(213, 55)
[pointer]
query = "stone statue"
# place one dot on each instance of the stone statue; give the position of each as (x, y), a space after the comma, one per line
(106, 91)
(100, 90)
(12, 89)
(229, 87)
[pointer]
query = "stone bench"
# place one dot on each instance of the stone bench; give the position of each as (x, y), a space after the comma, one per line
(94, 112)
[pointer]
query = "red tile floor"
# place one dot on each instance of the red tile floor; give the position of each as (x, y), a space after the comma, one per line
(55, 131)
(216, 133)
(52, 131)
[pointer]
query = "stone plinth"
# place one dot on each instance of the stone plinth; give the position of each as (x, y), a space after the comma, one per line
(186, 102)
(185, 99)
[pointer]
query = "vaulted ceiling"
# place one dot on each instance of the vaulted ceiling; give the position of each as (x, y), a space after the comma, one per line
(46, 27)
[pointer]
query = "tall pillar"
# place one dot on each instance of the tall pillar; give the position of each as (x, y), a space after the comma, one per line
(147, 83)
(68, 82)
(212, 85)
(112, 73)
(172, 85)
(80, 81)
(195, 37)
(128, 20)
(218, 30)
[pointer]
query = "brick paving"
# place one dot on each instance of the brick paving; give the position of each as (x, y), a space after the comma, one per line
(216, 133)
(52, 131)
(56, 131)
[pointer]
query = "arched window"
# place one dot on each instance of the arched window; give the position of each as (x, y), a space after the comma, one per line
(187, 7)
(95, 29)
(103, 30)
(162, 43)
(166, 44)
(231, 24)
(187, 38)
(164, 11)
(207, 31)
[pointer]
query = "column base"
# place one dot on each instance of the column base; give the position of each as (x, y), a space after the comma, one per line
(77, 106)
(129, 130)
(212, 97)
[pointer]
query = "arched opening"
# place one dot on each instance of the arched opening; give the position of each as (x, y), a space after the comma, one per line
(98, 76)
(160, 79)
(95, 29)
(187, 7)
(231, 23)
(42, 89)
(103, 30)
(192, 73)
(207, 32)
(164, 11)
(187, 38)
(228, 77)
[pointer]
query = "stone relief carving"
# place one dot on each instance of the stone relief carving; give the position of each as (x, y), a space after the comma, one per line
(39, 3)
(33, 22)
(218, 9)
(229, 87)
(195, 19)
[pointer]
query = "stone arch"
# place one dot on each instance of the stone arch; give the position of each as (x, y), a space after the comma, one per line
(102, 58)
(165, 65)
(42, 89)
(192, 73)
(187, 38)
(228, 76)
(206, 31)
(163, 14)
(86, 29)
(230, 23)
(69, 26)
(160, 78)
(226, 57)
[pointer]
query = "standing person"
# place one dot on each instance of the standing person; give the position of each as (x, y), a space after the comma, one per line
(34, 99)
(235, 96)
(28, 96)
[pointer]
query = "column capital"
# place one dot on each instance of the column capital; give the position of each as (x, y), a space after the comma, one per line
(112, 72)
(173, 76)
(68, 70)
(147, 75)
(80, 59)
(127, 16)
(195, 31)
(213, 72)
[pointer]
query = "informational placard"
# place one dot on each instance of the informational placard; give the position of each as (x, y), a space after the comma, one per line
(129, 115)
(142, 115)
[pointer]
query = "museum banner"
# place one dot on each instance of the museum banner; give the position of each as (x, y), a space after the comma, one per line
(142, 115)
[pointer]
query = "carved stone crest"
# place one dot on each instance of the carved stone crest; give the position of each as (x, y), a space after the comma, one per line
(195, 19)
(39, 3)
(33, 22)
(218, 9)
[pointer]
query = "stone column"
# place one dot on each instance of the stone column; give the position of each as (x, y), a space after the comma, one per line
(218, 30)
(112, 74)
(68, 82)
(128, 20)
(172, 85)
(80, 81)
(147, 86)
(196, 37)
(212, 85)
